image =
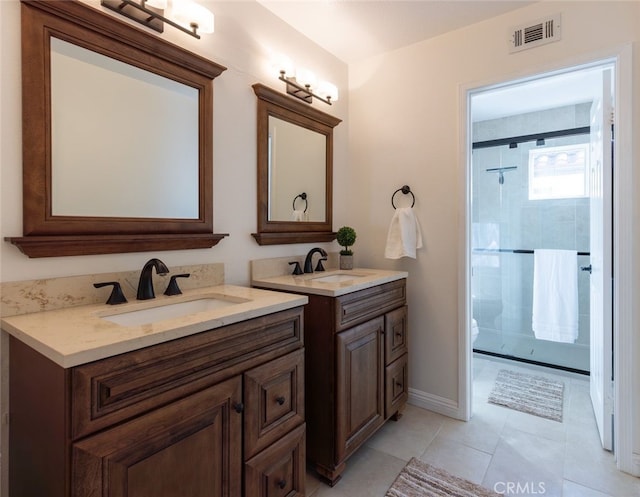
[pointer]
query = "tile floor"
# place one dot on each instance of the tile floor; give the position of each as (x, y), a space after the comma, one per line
(502, 449)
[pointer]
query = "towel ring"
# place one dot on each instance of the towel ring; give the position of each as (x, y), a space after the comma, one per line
(405, 189)
(303, 196)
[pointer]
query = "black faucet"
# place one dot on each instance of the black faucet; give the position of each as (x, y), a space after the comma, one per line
(145, 285)
(308, 266)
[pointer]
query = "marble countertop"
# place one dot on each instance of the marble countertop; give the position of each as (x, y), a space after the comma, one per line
(77, 335)
(336, 281)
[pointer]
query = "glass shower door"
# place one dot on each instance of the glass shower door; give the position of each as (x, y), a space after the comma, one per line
(515, 212)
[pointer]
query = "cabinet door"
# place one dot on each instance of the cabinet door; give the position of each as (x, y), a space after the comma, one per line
(279, 470)
(189, 448)
(360, 395)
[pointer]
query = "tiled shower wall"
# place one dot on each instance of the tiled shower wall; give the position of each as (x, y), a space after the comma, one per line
(504, 217)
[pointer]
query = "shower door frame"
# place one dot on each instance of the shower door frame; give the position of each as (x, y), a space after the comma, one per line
(623, 369)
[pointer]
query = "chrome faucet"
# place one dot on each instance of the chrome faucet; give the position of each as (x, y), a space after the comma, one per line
(308, 266)
(145, 285)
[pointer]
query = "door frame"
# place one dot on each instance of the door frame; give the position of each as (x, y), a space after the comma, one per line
(623, 368)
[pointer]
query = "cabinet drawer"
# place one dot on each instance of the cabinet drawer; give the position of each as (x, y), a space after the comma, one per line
(396, 386)
(395, 334)
(114, 389)
(358, 307)
(280, 470)
(274, 401)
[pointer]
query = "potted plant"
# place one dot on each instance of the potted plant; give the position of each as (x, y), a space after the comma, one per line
(346, 238)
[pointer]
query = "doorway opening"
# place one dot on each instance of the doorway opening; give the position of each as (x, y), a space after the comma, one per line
(539, 226)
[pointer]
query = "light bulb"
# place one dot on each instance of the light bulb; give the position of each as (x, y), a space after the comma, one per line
(189, 13)
(328, 91)
(156, 4)
(282, 63)
(305, 77)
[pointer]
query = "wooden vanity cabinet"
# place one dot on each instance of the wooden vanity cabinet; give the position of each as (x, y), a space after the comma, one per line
(216, 414)
(356, 371)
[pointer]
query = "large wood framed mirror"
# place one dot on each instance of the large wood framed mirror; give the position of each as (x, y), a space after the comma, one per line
(117, 136)
(295, 170)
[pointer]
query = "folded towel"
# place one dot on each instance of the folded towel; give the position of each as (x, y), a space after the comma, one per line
(299, 215)
(404, 235)
(555, 295)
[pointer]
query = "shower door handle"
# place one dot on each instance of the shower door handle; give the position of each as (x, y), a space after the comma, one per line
(586, 268)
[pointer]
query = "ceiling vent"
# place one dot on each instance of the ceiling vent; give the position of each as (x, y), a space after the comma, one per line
(535, 33)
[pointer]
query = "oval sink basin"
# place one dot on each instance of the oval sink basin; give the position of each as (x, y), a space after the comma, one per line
(336, 278)
(169, 311)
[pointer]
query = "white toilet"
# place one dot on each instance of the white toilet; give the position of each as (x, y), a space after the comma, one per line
(474, 330)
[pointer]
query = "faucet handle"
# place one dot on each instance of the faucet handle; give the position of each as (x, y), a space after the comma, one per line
(296, 269)
(319, 266)
(116, 297)
(172, 287)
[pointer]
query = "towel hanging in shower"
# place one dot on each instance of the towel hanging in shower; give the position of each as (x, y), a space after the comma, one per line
(555, 295)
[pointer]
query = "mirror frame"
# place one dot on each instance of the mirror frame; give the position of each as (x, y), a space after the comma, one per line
(276, 104)
(46, 235)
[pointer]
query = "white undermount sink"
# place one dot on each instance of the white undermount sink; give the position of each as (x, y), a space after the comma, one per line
(170, 311)
(337, 278)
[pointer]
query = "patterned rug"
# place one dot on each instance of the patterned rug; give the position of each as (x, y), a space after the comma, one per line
(535, 395)
(419, 479)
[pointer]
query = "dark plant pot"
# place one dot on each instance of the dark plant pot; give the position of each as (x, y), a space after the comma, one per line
(346, 261)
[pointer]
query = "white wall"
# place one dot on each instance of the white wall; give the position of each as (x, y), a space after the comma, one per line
(246, 34)
(405, 127)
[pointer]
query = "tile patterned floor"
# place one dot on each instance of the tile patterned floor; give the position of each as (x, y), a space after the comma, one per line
(514, 453)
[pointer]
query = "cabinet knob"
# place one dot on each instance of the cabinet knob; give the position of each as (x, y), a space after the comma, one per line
(280, 400)
(238, 407)
(282, 483)
(398, 384)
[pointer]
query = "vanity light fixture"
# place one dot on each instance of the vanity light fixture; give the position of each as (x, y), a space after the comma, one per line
(190, 17)
(304, 86)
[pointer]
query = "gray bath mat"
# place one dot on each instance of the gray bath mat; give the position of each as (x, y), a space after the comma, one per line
(419, 479)
(535, 395)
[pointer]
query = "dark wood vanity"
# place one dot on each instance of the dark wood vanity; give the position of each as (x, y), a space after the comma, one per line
(356, 359)
(216, 413)
(356, 371)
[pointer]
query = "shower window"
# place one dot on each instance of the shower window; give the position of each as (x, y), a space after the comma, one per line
(559, 172)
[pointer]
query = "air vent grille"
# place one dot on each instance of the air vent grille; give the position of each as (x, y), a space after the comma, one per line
(535, 33)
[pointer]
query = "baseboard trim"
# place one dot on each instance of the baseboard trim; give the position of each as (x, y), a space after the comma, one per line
(635, 470)
(435, 403)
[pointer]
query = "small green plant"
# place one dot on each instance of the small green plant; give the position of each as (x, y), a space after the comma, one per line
(346, 238)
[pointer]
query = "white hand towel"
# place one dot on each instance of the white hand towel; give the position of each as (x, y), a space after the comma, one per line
(404, 235)
(555, 295)
(299, 215)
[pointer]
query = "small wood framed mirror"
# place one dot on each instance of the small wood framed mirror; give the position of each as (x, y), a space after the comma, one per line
(295, 170)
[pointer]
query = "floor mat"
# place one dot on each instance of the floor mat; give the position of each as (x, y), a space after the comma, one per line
(524, 392)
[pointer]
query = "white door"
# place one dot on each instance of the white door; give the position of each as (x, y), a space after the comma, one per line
(601, 267)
